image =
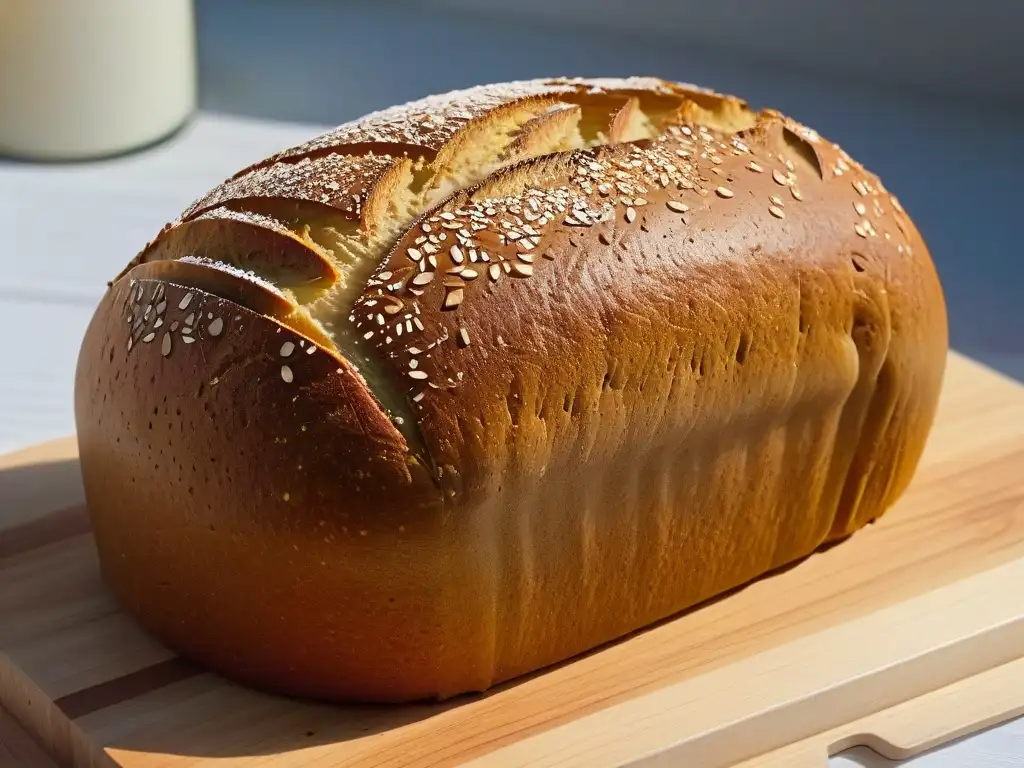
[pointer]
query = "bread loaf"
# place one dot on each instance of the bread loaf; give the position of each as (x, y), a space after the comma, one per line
(475, 384)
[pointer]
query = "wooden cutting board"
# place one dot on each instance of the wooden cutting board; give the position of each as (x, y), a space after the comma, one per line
(906, 635)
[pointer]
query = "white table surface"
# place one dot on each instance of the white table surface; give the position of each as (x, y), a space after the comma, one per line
(66, 229)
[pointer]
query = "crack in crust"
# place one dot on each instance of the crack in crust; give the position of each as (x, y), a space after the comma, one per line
(436, 199)
(316, 219)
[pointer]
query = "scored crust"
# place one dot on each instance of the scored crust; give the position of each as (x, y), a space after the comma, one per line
(546, 362)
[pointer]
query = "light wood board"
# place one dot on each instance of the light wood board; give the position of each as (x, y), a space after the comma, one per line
(906, 635)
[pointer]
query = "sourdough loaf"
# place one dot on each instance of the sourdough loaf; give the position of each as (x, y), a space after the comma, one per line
(477, 383)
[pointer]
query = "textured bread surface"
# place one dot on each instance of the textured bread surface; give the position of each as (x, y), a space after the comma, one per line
(478, 383)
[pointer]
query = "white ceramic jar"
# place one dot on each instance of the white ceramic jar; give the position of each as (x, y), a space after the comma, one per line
(89, 78)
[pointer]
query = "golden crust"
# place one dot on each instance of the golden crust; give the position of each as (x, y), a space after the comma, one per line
(243, 288)
(629, 376)
(205, 469)
(341, 182)
(555, 126)
(432, 122)
(628, 364)
(252, 242)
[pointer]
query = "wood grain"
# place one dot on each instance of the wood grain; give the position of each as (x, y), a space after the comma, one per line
(916, 603)
(916, 725)
(17, 748)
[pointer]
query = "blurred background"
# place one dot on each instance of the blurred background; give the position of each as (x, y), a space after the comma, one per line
(927, 93)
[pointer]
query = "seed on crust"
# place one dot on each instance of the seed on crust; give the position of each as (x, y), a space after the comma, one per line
(453, 298)
(521, 270)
